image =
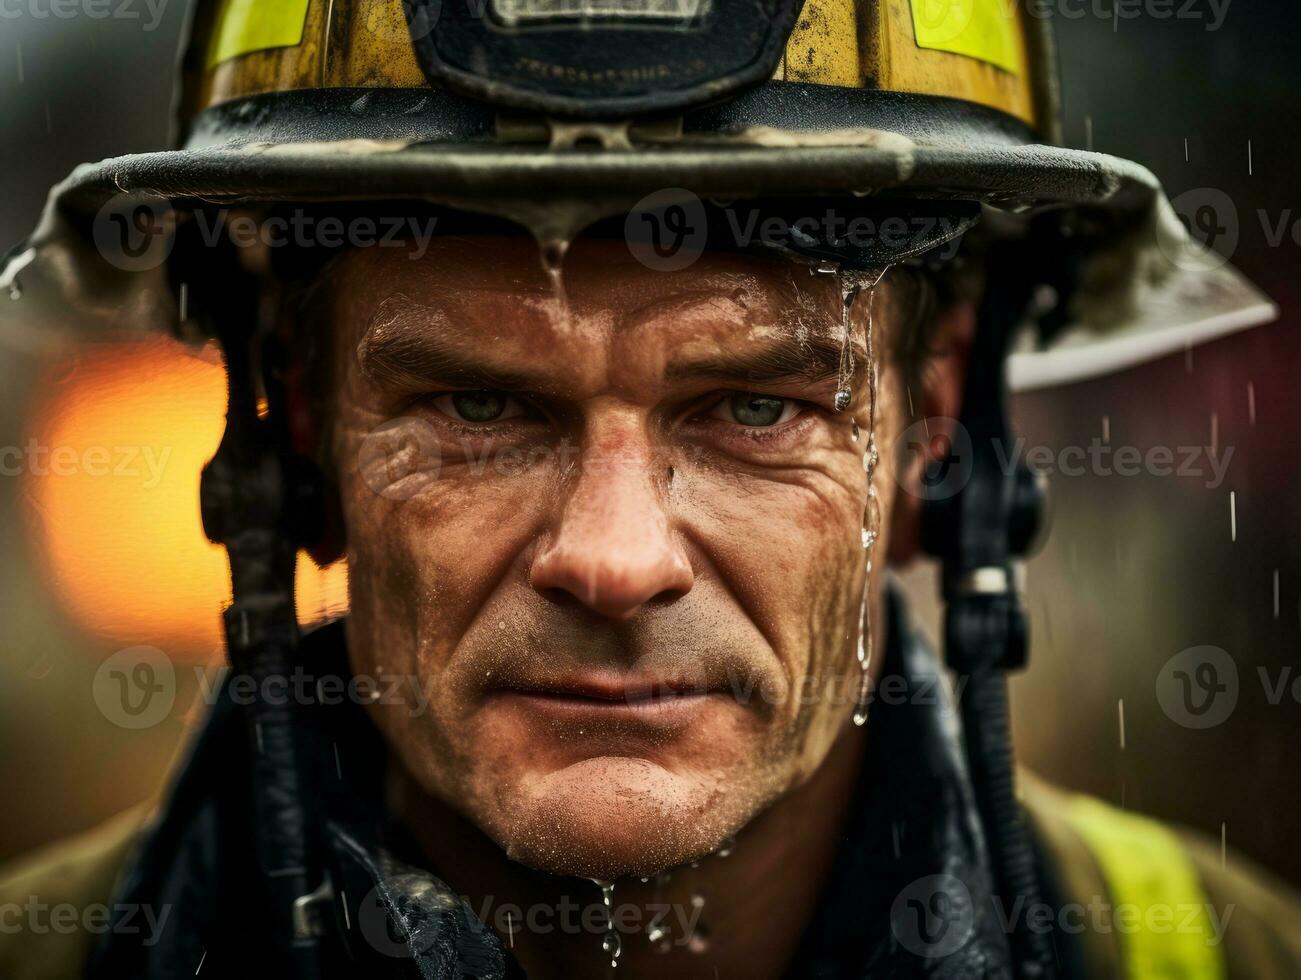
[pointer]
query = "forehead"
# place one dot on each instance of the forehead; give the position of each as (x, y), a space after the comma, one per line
(469, 282)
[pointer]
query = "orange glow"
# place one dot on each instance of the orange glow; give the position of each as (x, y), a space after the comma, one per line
(112, 468)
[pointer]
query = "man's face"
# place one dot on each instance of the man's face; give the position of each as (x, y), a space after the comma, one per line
(613, 530)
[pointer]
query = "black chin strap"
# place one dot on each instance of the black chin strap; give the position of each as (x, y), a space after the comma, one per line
(978, 532)
(256, 501)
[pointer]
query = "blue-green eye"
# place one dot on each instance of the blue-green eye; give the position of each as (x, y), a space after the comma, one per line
(752, 409)
(478, 407)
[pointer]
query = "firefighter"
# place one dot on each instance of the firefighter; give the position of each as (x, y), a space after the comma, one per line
(587, 332)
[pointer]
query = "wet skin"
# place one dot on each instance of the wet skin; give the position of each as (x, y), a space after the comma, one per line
(615, 531)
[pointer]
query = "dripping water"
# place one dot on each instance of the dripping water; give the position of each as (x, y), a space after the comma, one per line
(658, 933)
(698, 941)
(611, 942)
(851, 285)
(553, 258)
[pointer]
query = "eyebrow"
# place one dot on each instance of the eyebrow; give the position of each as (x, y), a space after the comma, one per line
(409, 348)
(412, 346)
(811, 361)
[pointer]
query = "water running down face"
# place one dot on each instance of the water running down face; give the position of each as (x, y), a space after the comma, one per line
(616, 533)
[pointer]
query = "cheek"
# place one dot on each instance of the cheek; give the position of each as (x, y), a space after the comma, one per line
(789, 549)
(426, 551)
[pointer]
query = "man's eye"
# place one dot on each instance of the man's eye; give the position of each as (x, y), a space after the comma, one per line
(478, 407)
(752, 409)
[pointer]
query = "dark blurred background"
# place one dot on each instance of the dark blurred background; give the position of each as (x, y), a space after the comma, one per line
(1137, 569)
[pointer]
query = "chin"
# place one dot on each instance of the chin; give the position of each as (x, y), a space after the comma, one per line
(610, 817)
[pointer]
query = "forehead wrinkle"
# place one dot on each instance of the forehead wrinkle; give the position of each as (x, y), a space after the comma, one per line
(407, 344)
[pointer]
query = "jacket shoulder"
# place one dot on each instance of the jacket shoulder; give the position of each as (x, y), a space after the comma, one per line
(1151, 900)
(54, 903)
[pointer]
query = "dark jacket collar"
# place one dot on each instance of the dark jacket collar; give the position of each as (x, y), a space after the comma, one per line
(910, 894)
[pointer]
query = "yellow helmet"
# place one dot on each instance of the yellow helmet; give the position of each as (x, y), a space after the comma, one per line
(557, 113)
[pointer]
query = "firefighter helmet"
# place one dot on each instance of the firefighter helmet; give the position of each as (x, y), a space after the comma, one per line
(556, 113)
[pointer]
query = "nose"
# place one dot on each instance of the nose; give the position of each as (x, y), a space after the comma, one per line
(613, 548)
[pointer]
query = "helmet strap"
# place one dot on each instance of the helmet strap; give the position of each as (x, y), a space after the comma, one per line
(254, 494)
(978, 533)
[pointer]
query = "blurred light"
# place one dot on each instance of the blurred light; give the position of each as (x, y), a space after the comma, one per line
(112, 461)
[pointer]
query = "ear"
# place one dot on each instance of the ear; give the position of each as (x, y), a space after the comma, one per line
(927, 436)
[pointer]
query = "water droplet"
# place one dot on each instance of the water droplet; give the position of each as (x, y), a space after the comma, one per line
(15, 290)
(698, 941)
(612, 946)
(853, 430)
(726, 848)
(553, 258)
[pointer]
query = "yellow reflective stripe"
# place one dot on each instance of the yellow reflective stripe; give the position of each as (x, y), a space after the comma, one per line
(256, 25)
(1157, 903)
(983, 29)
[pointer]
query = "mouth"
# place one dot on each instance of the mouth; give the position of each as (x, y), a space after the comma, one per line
(657, 703)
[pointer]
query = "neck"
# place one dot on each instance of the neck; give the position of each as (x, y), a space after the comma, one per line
(698, 921)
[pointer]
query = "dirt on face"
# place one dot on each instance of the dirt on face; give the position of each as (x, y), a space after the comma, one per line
(613, 528)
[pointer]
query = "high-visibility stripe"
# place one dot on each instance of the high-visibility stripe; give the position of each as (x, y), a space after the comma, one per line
(1157, 904)
(982, 29)
(256, 25)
